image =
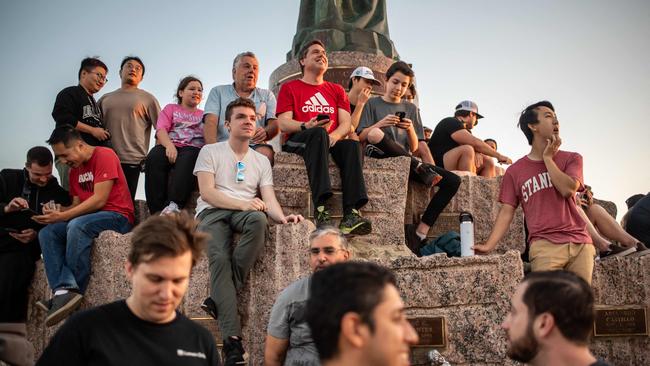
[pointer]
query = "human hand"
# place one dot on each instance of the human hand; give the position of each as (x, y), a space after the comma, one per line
(364, 95)
(16, 204)
(482, 248)
(388, 121)
(171, 153)
(333, 139)
(256, 204)
(51, 207)
(24, 236)
(292, 218)
(478, 160)
(49, 218)
(259, 136)
(405, 123)
(502, 159)
(100, 133)
(552, 147)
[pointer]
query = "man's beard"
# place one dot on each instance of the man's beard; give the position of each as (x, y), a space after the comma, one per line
(524, 348)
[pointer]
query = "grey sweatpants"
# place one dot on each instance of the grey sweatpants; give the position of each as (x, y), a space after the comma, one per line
(230, 266)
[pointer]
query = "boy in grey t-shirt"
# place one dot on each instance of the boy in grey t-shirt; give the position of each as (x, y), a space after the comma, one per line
(289, 341)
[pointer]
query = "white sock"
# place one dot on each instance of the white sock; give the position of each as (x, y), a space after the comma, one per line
(421, 236)
(60, 292)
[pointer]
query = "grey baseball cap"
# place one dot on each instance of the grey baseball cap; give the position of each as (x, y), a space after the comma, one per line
(468, 105)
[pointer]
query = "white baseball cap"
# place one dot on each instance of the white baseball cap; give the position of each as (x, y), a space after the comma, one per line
(365, 73)
(468, 105)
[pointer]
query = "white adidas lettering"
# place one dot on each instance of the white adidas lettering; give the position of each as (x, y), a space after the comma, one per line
(317, 103)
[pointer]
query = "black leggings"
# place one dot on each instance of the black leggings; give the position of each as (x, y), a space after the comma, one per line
(159, 172)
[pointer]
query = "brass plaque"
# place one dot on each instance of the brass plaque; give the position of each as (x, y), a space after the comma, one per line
(432, 331)
(612, 321)
(211, 325)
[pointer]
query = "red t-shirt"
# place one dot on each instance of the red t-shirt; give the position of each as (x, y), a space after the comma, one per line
(548, 215)
(103, 165)
(307, 101)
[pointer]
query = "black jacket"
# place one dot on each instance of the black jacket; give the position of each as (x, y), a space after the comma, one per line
(15, 183)
(74, 104)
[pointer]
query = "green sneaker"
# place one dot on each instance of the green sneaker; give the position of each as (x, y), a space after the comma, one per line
(322, 217)
(354, 224)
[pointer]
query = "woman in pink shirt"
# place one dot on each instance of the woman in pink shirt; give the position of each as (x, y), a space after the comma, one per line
(169, 180)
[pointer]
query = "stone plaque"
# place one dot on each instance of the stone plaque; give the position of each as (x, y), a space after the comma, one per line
(432, 331)
(612, 321)
(211, 325)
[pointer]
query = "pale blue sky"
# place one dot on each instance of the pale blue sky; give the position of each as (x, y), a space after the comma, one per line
(590, 58)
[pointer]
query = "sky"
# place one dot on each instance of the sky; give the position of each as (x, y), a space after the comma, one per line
(590, 58)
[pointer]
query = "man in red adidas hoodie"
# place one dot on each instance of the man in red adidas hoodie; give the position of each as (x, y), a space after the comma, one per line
(314, 116)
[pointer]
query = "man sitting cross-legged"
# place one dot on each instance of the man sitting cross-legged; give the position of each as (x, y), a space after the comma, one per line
(230, 175)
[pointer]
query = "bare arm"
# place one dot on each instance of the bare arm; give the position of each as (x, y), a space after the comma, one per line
(210, 122)
(275, 350)
(501, 225)
(271, 128)
(287, 123)
(463, 137)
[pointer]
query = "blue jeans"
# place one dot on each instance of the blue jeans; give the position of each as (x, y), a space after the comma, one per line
(66, 247)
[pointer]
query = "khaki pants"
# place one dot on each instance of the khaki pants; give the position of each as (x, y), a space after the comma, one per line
(576, 258)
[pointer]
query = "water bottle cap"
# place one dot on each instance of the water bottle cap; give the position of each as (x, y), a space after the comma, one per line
(466, 216)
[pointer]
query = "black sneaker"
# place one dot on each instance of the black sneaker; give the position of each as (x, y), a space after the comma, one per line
(616, 251)
(210, 308)
(233, 352)
(354, 224)
(322, 217)
(44, 305)
(62, 306)
(426, 175)
(413, 241)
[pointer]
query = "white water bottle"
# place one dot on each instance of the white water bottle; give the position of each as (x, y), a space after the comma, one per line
(466, 234)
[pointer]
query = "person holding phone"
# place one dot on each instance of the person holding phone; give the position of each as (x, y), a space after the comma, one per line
(300, 102)
(391, 127)
(23, 192)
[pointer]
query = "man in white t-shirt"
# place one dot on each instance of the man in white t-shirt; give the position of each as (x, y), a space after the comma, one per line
(230, 174)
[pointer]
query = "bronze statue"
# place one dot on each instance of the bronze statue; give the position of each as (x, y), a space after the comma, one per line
(344, 25)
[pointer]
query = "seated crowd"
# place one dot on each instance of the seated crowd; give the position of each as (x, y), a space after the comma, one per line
(224, 151)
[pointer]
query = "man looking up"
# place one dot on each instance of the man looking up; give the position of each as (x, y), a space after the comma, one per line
(245, 71)
(289, 341)
(545, 183)
(314, 115)
(129, 112)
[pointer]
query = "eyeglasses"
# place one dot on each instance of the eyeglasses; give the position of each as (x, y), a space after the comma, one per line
(326, 250)
(240, 171)
(100, 76)
(136, 68)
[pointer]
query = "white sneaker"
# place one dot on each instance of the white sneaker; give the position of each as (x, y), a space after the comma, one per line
(172, 208)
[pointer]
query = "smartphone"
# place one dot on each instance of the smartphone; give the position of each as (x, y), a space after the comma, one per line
(322, 117)
(29, 211)
(10, 230)
(401, 115)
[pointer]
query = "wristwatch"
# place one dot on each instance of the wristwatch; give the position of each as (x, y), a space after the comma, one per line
(303, 127)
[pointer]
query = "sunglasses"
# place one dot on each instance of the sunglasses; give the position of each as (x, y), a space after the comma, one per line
(240, 171)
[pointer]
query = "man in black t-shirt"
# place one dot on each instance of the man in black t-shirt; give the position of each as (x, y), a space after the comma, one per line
(146, 328)
(76, 106)
(455, 148)
(550, 321)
